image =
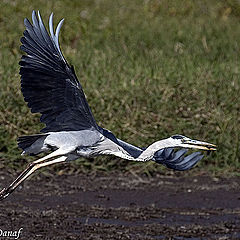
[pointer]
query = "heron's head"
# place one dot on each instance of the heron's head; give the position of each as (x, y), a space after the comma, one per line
(185, 142)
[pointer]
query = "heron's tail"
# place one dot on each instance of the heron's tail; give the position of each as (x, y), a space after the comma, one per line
(32, 144)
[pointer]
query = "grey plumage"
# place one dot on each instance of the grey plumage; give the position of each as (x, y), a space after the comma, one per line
(50, 87)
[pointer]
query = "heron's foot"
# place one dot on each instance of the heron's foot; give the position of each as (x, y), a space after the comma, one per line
(4, 193)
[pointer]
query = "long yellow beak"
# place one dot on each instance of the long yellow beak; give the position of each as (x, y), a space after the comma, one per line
(199, 145)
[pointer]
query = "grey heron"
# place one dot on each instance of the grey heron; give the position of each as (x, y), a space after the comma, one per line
(50, 87)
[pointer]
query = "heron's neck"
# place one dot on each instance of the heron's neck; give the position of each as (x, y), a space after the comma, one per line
(149, 152)
(110, 148)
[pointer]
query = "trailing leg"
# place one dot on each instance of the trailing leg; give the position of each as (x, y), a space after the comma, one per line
(26, 173)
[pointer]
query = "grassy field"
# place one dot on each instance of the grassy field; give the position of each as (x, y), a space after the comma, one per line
(149, 68)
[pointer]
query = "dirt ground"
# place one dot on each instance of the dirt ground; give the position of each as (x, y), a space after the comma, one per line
(118, 206)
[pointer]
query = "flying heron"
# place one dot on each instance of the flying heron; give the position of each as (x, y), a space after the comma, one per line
(51, 88)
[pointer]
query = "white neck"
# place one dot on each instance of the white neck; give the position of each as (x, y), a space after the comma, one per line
(148, 153)
(110, 148)
(153, 148)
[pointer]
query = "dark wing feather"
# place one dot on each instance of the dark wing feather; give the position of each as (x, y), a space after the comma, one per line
(49, 85)
(177, 160)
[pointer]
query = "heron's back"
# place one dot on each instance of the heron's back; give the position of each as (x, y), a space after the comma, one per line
(71, 140)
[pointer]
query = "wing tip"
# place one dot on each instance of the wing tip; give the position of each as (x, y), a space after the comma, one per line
(180, 162)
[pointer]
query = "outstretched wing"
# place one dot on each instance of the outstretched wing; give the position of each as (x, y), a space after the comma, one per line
(177, 160)
(49, 85)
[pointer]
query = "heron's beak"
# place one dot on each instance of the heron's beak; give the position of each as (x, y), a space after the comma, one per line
(189, 143)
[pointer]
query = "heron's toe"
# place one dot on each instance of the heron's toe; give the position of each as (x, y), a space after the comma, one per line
(3, 194)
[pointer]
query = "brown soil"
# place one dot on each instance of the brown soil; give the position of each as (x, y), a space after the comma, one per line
(117, 206)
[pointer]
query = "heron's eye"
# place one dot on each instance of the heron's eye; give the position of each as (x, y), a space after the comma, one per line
(177, 137)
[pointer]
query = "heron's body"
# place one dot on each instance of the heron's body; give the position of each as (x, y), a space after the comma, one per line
(74, 141)
(51, 88)
(88, 144)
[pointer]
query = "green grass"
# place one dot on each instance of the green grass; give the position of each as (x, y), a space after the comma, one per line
(149, 69)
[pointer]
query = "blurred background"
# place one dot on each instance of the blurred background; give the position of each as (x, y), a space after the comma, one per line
(149, 68)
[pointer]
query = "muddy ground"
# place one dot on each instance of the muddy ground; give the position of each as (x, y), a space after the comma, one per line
(118, 206)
